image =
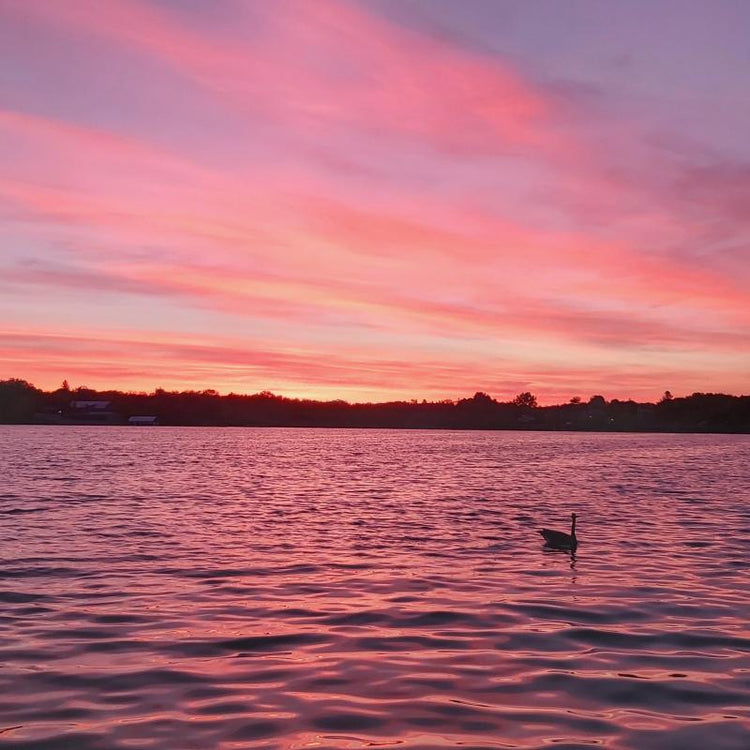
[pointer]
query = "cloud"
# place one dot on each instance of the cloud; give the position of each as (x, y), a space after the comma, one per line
(328, 65)
(380, 182)
(85, 357)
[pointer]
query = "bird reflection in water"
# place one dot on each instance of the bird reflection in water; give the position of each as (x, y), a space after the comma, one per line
(569, 553)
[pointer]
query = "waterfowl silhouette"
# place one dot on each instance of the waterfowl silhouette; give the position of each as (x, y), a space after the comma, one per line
(559, 539)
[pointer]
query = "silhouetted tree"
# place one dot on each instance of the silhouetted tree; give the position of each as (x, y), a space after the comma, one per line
(481, 397)
(525, 399)
(18, 400)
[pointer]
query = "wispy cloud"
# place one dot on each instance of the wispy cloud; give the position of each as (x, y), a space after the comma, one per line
(345, 180)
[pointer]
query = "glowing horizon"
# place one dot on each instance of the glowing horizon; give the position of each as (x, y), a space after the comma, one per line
(373, 199)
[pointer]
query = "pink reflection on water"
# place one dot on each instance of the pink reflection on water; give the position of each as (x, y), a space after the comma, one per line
(324, 588)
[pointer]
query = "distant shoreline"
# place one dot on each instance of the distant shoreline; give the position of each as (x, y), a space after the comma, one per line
(22, 403)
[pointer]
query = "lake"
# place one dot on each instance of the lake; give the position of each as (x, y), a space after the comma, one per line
(205, 588)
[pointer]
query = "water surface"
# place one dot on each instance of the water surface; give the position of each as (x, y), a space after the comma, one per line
(277, 588)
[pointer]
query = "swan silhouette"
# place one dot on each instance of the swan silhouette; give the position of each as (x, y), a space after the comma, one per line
(559, 539)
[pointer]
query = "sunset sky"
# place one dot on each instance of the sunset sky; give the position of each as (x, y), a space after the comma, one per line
(376, 199)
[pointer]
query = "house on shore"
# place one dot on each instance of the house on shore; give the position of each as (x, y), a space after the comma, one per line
(144, 421)
(91, 412)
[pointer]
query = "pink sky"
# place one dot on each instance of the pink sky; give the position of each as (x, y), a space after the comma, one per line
(375, 200)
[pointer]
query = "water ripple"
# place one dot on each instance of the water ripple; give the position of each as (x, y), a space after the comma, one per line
(289, 589)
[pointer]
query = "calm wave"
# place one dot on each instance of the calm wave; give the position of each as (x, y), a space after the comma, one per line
(240, 588)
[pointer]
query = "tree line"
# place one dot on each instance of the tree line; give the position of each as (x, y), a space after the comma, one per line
(22, 403)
